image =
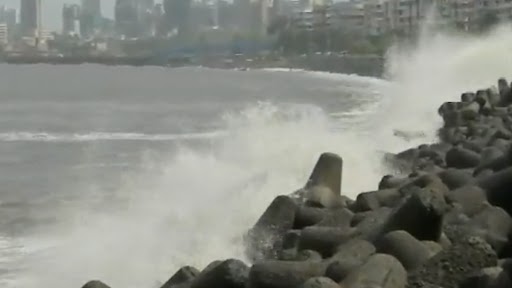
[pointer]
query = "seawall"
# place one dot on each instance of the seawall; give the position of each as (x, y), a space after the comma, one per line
(443, 222)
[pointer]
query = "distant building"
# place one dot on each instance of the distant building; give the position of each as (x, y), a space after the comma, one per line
(502, 8)
(303, 20)
(88, 24)
(70, 19)
(260, 16)
(348, 16)
(2, 13)
(225, 13)
(378, 17)
(464, 13)
(242, 12)
(407, 16)
(90, 18)
(138, 18)
(291, 7)
(145, 10)
(318, 18)
(398, 17)
(376, 20)
(203, 16)
(92, 7)
(30, 17)
(4, 34)
(10, 18)
(126, 17)
(46, 35)
(177, 15)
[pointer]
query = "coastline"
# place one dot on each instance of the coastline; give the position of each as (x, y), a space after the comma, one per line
(443, 222)
(364, 65)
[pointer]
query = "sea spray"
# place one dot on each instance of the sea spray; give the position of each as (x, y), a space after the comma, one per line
(195, 205)
(440, 67)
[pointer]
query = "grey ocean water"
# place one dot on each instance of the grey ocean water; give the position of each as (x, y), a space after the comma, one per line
(124, 174)
(84, 151)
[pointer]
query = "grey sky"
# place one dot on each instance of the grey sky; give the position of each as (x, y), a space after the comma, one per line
(52, 10)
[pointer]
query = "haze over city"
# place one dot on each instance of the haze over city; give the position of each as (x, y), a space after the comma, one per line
(52, 10)
(155, 31)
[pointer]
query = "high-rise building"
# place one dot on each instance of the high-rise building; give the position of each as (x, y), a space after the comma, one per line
(177, 14)
(2, 13)
(145, 11)
(126, 18)
(67, 20)
(135, 18)
(92, 7)
(4, 34)
(87, 24)
(70, 17)
(226, 14)
(244, 15)
(260, 16)
(90, 17)
(10, 18)
(30, 17)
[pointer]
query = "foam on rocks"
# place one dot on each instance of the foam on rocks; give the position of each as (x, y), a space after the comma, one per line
(443, 221)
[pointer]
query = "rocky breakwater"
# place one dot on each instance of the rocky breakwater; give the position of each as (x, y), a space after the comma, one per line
(444, 222)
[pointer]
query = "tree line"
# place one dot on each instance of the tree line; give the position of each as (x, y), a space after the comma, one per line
(291, 40)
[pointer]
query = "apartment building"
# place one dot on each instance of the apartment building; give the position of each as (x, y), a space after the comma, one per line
(4, 34)
(502, 8)
(349, 16)
(377, 17)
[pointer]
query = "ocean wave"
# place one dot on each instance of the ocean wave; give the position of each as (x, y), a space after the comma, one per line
(352, 78)
(283, 69)
(101, 136)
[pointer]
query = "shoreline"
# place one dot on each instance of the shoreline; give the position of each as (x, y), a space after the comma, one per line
(364, 65)
(443, 222)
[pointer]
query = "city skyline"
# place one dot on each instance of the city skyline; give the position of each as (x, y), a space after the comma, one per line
(52, 10)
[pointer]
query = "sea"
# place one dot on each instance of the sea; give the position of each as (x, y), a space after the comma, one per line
(125, 174)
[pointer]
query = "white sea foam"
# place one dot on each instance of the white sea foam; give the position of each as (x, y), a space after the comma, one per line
(440, 68)
(100, 136)
(202, 201)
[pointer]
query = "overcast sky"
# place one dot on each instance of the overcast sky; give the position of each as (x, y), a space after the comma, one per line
(52, 10)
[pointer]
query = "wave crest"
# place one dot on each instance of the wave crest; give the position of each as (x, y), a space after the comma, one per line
(100, 136)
